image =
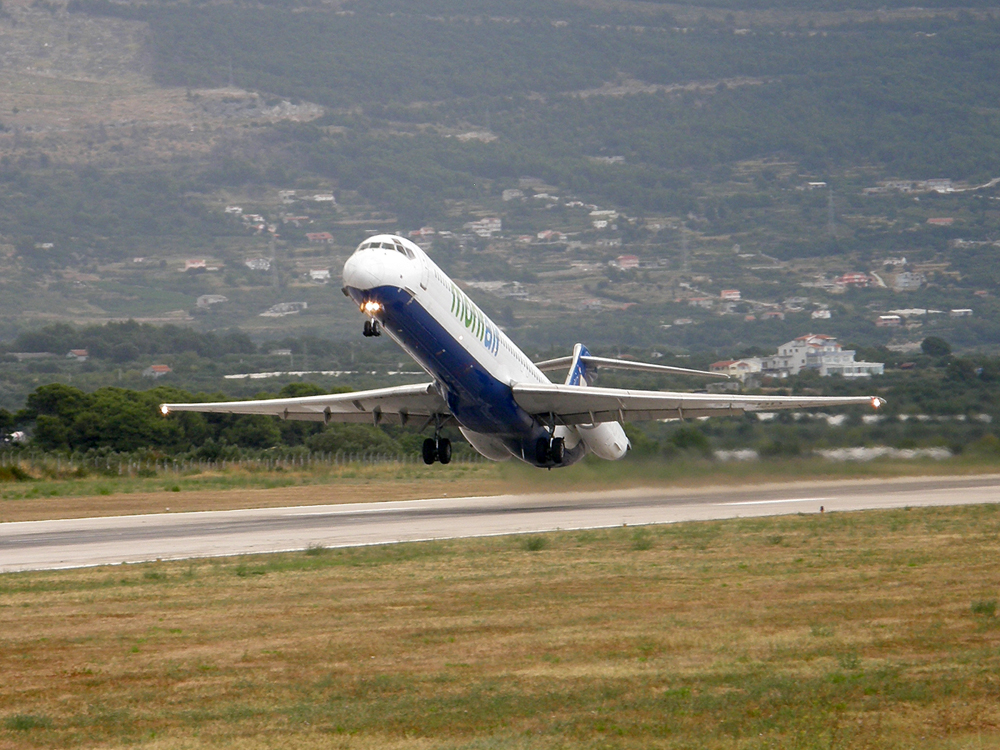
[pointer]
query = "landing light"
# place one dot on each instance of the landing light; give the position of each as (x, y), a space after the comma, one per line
(371, 307)
(164, 409)
(877, 402)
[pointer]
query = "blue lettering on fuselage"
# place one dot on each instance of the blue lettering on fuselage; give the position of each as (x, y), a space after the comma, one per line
(473, 319)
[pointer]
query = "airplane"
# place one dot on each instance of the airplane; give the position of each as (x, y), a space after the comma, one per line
(481, 382)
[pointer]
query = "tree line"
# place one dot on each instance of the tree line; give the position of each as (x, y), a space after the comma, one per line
(937, 400)
(63, 418)
(128, 340)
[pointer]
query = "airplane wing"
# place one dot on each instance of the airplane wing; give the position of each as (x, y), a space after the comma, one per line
(396, 405)
(571, 404)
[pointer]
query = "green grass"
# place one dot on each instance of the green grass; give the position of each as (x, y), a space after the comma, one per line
(26, 722)
(867, 630)
(591, 473)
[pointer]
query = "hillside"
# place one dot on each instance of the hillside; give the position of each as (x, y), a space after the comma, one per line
(768, 148)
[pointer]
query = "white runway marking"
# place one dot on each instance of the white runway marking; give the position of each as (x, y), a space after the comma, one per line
(779, 502)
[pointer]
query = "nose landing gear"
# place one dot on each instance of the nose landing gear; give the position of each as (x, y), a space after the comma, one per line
(437, 449)
(372, 328)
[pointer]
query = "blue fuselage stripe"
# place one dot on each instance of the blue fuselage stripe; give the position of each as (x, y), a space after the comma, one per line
(477, 400)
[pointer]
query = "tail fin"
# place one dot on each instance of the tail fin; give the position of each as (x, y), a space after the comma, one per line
(579, 372)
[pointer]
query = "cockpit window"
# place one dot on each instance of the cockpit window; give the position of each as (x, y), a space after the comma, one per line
(398, 247)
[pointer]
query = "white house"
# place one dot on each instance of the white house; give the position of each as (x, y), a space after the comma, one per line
(322, 275)
(258, 264)
(284, 308)
(908, 281)
(740, 369)
(484, 227)
(207, 300)
(817, 352)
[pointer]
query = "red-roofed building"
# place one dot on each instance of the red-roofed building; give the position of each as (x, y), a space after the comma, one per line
(156, 371)
(854, 278)
(737, 368)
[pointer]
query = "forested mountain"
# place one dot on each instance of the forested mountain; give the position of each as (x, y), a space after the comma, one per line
(763, 146)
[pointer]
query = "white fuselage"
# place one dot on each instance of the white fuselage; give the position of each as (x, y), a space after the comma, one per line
(471, 359)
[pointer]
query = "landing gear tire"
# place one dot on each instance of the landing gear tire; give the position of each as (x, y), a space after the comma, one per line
(437, 450)
(557, 450)
(444, 451)
(430, 451)
(550, 451)
(542, 450)
(372, 328)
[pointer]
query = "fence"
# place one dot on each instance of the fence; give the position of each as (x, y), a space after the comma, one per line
(131, 465)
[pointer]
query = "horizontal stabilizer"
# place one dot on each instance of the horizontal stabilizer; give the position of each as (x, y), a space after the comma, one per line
(561, 363)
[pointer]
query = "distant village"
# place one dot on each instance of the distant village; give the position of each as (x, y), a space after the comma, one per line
(893, 273)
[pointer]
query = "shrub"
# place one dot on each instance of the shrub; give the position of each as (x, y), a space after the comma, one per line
(642, 540)
(934, 346)
(24, 722)
(986, 608)
(690, 438)
(13, 474)
(534, 543)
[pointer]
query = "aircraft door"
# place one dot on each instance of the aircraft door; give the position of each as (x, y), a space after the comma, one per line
(425, 273)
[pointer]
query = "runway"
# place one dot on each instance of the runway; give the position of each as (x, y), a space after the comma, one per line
(72, 543)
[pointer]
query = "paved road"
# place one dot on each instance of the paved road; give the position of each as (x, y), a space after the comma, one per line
(46, 545)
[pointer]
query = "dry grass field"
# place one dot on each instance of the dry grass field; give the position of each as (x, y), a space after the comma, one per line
(862, 630)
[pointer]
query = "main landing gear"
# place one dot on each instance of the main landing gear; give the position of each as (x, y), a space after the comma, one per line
(437, 449)
(372, 328)
(550, 450)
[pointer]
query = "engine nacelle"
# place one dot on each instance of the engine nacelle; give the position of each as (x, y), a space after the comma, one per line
(606, 440)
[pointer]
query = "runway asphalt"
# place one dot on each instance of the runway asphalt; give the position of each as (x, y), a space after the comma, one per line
(72, 543)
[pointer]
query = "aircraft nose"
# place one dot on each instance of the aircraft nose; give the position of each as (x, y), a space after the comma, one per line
(363, 270)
